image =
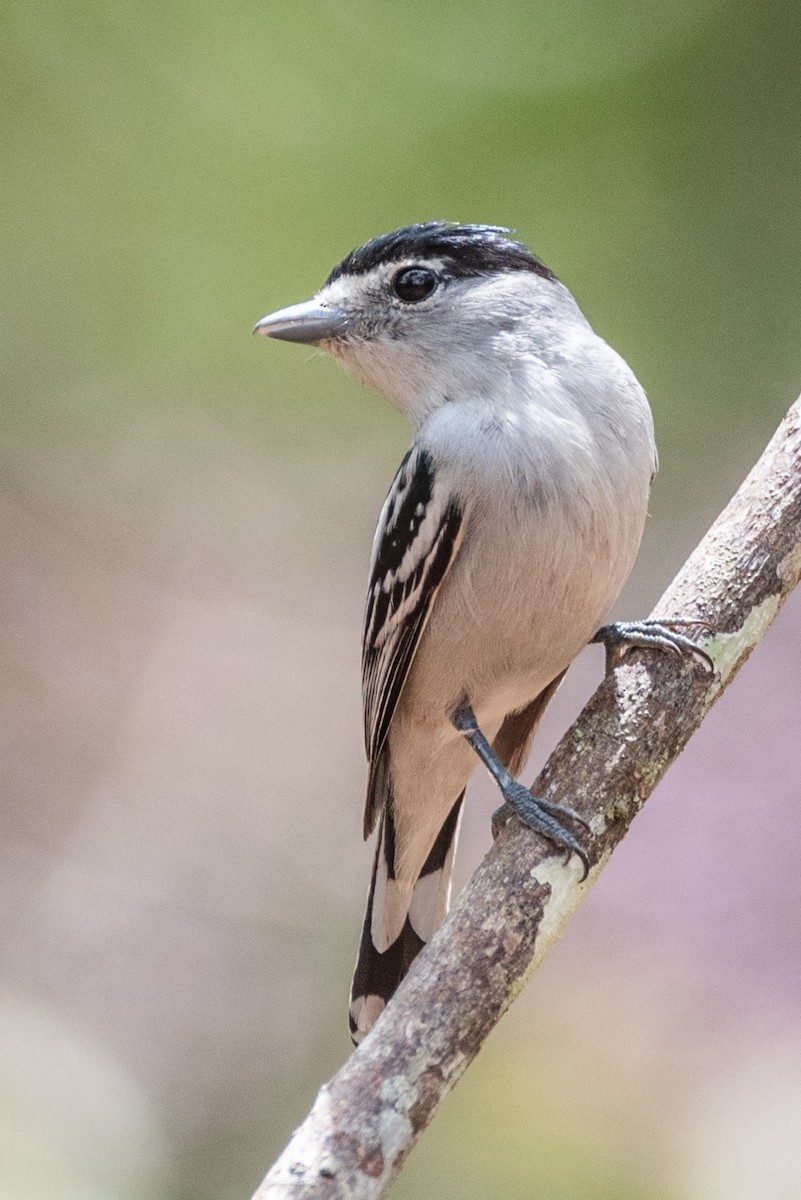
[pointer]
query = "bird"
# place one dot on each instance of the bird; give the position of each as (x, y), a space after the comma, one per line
(507, 534)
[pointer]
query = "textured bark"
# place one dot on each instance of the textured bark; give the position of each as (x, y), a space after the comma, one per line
(367, 1118)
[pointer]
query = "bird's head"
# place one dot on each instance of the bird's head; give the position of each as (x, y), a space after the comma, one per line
(433, 312)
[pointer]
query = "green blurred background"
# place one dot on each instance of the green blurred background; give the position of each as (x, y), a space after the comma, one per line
(187, 515)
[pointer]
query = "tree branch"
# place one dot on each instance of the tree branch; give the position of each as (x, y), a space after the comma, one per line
(367, 1118)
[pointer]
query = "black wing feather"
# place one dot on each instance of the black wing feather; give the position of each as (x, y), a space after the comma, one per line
(418, 535)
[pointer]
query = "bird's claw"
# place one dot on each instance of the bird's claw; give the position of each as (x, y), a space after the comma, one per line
(544, 818)
(621, 636)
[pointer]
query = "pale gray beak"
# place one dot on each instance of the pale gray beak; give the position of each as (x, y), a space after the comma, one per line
(309, 322)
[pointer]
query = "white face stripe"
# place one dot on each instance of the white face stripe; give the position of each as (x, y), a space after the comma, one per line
(351, 290)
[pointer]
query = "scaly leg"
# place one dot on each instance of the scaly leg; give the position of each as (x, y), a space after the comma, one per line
(541, 815)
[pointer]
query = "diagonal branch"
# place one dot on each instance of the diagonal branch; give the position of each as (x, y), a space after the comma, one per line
(367, 1118)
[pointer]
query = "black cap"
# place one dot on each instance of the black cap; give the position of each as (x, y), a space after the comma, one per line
(467, 250)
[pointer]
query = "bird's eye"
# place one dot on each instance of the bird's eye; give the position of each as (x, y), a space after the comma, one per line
(414, 283)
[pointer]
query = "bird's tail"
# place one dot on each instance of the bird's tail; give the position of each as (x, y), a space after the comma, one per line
(398, 922)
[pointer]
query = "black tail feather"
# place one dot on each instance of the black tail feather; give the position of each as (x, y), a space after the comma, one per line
(378, 973)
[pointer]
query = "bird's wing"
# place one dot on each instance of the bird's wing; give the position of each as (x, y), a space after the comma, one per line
(419, 533)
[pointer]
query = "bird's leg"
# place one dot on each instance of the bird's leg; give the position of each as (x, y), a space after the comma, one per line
(651, 634)
(540, 815)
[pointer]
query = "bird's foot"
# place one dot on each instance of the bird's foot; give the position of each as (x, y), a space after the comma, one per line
(543, 817)
(652, 634)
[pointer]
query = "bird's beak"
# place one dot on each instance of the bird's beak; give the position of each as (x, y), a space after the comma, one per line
(309, 322)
